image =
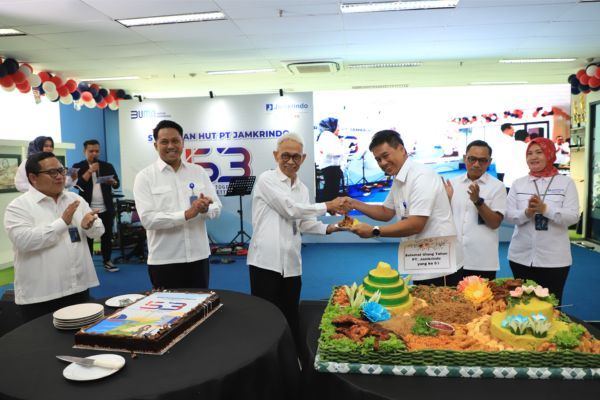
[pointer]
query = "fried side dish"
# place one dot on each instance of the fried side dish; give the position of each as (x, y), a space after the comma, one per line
(347, 222)
(357, 329)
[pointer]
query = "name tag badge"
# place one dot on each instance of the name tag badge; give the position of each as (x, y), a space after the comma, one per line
(541, 222)
(74, 234)
(193, 198)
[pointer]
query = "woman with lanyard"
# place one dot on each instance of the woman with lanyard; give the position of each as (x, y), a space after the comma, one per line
(542, 205)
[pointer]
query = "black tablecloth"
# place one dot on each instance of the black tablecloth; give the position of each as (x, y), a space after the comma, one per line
(243, 351)
(322, 385)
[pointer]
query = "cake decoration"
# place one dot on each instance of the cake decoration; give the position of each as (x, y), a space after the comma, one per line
(394, 291)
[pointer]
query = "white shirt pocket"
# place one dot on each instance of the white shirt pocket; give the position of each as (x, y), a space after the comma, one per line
(162, 197)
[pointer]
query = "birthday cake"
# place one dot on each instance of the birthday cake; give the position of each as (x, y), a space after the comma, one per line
(489, 327)
(394, 292)
(151, 325)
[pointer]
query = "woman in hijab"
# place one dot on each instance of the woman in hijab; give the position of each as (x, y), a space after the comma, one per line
(542, 205)
(37, 145)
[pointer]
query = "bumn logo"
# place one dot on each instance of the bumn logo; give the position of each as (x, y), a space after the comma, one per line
(135, 114)
(269, 106)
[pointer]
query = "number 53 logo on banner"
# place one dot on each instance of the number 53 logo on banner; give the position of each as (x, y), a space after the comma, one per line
(224, 164)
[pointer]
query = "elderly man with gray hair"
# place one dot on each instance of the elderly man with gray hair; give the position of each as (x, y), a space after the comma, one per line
(281, 212)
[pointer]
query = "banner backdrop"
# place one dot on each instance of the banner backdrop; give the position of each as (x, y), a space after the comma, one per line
(229, 136)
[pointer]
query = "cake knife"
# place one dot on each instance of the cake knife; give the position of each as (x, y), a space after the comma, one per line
(90, 362)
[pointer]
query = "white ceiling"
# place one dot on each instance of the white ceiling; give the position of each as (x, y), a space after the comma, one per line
(80, 39)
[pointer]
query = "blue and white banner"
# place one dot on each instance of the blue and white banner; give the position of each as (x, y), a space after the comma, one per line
(229, 136)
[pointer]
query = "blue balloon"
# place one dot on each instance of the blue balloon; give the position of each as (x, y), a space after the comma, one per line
(3, 71)
(103, 92)
(120, 94)
(76, 95)
(41, 89)
(93, 91)
(575, 90)
(11, 65)
(98, 98)
(83, 87)
(572, 78)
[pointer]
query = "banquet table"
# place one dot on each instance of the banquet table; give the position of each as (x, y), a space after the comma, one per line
(323, 385)
(243, 351)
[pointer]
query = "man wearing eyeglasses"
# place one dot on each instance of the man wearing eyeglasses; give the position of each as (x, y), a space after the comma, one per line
(48, 227)
(478, 204)
(96, 181)
(281, 213)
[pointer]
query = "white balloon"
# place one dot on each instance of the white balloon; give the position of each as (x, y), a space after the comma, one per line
(49, 86)
(591, 70)
(34, 80)
(26, 71)
(52, 95)
(113, 106)
(68, 99)
(90, 104)
(10, 88)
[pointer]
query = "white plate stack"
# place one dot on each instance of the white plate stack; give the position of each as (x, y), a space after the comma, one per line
(78, 316)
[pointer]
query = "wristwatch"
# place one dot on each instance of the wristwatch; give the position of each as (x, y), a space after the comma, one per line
(478, 202)
(376, 232)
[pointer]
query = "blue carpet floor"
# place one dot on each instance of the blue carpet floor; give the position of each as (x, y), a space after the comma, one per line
(327, 265)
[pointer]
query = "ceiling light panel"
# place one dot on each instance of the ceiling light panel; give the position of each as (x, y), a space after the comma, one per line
(240, 71)
(536, 60)
(11, 32)
(385, 65)
(173, 19)
(113, 78)
(348, 8)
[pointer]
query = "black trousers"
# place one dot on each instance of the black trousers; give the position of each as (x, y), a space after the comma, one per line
(552, 278)
(282, 292)
(450, 280)
(108, 219)
(192, 275)
(34, 310)
(333, 178)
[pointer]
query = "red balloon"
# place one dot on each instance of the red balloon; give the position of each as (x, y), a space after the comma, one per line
(57, 81)
(28, 66)
(102, 104)
(19, 77)
(63, 91)
(44, 76)
(584, 79)
(109, 98)
(25, 89)
(580, 73)
(597, 74)
(86, 96)
(71, 85)
(94, 86)
(6, 81)
(22, 85)
(594, 82)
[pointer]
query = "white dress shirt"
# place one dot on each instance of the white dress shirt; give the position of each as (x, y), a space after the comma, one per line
(479, 242)
(418, 190)
(517, 167)
(161, 197)
(550, 248)
(331, 150)
(48, 265)
(280, 213)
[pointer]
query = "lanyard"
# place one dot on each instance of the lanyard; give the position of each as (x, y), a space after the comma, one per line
(547, 187)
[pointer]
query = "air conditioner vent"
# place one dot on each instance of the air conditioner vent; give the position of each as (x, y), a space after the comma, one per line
(313, 67)
(394, 86)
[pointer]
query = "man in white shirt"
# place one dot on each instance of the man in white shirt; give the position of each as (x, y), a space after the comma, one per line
(417, 198)
(98, 193)
(478, 204)
(505, 146)
(174, 199)
(331, 152)
(48, 227)
(563, 151)
(281, 212)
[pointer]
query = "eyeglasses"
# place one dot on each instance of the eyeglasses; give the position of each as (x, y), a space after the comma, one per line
(54, 172)
(295, 157)
(482, 160)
